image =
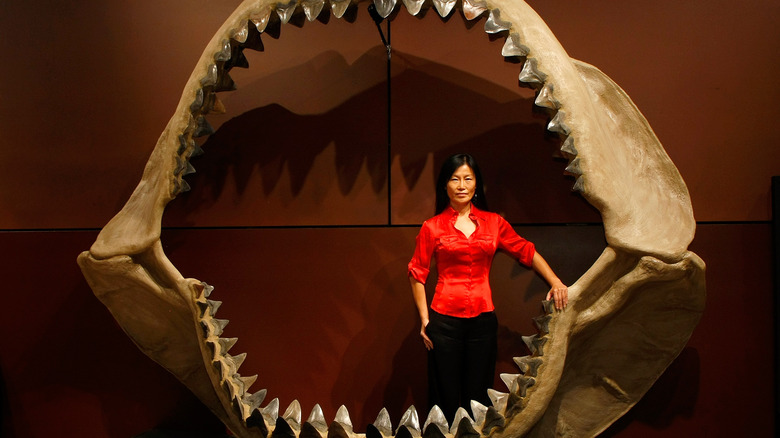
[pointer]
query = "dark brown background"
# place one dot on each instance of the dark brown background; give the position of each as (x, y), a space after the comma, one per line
(289, 215)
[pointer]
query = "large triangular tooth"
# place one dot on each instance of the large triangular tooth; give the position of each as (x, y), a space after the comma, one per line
(384, 7)
(285, 11)
(254, 39)
(240, 407)
(312, 8)
(522, 384)
(530, 74)
(414, 6)
(338, 430)
(495, 24)
(241, 33)
(218, 107)
(248, 381)
(513, 47)
(479, 410)
(498, 399)
(226, 344)
(339, 7)
(181, 186)
(256, 420)
(207, 289)
(536, 344)
(405, 432)
(293, 415)
(510, 380)
(568, 147)
(529, 365)
(465, 429)
(493, 419)
(543, 322)
(317, 419)
(217, 326)
(546, 98)
(460, 414)
(548, 305)
(230, 387)
(185, 142)
(261, 18)
(411, 421)
(558, 124)
(239, 359)
(197, 102)
(383, 423)
(342, 417)
(574, 168)
(225, 83)
(474, 8)
(579, 185)
(212, 75)
(202, 127)
(444, 7)
(224, 53)
(283, 429)
(371, 432)
(255, 400)
(271, 412)
(436, 417)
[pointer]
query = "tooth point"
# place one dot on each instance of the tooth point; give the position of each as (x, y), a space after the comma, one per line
(339, 7)
(437, 419)
(461, 418)
(444, 7)
(473, 8)
(528, 365)
(202, 127)
(513, 47)
(510, 380)
(498, 399)
(226, 344)
(568, 147)
(271, 412)
(493, 419)
(212, 73)
(558, 124)
(261, 19)
(255, 400)
(579, 185)
(479, 410)
(495, 24)
(224, 53)
(285, 11)
(317, 419)
(312, 8)
(293, 414)
(530, 74)
(384, 7)
(240, 34)
(257, 421)
(413, 6)
(383, 423)
(410, 420)
(546, 99)
(219, 325)
(342, 417)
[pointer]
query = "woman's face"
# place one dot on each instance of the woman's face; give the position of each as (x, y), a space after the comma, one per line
(461, 186)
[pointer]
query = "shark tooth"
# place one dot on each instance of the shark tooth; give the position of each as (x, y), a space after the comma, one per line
(495, 24)
(413, 6)
(225, 52)
(529, 365)
(479, 410)
(545, 99)
(312, 8)
(558, 124)
(202, 127)
(411, 421)
(338, 430)
(271, 412)
(227, 343)
(530, 74)
(241, 33)
(342, 417)
(568, 148)
(256, 420)
(254, 39)
(339, 7)
(212, 73)
(239, 360)
(548, 306)
(218, 326)
(197, 103)
(493, 419)
(255, 400)
(248, 381)
(460, 415)
(465, 429)
(293, 414)
(283, 429)
(474, 8)
(285, 11)
(535, 343)
(436, 418)
(522, 384)
(384, 7)
(310, 431)
(574, 167)
(444, 7)
(498, 399)
(405, 432)
(510, 380)
(513, 47)
(383, 423)
(225, 83)
(543, 322)
(237, 60)
(579, 185)
(317, 419)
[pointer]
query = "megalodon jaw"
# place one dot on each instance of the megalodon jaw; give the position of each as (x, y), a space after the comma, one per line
(637, 304)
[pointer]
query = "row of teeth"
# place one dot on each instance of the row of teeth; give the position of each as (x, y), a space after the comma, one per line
(247, 406)
(247, 35)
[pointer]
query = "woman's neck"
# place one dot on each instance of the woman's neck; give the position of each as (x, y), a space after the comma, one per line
(462, 210)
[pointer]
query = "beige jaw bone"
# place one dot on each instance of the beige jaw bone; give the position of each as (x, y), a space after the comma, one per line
(641, 299)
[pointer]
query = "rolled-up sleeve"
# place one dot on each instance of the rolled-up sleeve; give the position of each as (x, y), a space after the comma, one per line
(420, 265)
(519, 248)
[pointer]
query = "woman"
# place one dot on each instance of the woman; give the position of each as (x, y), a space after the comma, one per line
(460, 330)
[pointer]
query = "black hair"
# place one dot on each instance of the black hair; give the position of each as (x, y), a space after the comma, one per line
(449, 167)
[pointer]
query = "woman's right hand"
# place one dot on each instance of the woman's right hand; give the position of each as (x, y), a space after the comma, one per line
(426, 339)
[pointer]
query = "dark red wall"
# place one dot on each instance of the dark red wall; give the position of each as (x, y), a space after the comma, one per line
(87, 87)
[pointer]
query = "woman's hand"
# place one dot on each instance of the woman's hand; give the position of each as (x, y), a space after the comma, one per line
(426, 339)
(560, 294)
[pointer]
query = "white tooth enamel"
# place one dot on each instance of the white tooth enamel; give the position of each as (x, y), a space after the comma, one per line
(444, 7)
(530, 73)
(510, 380)
(339, 7)
(384, 7)
(293, 415)
(224, 54)
(241, 33)
(546, 99)
(226, 344)
(474, 8)
(513, 47)
(413, 6)
(383, 423)
(498, 399)
(285, 11)
(460, 414)
(574, 167)
(479, 410)
(248, 381)
(271, 412)
(558, 124)
(312, 8)
(495, 24)
(218, 326)
(342, 417)
(211, 77)
(410, 420)
(579, 185)
(436, 417)
(317, 419)
(261, 18)
(255, 400)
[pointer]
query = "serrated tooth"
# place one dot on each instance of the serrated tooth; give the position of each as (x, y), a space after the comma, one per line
(212, 73)
(257, 420)
(558, 124)
(189, 169)
(293, 415)
(474, 8)
(180, 166)
(574, 168)
(498, 399)
(224, 53)
(513, 47)
(528, 365)
(285, 11)
(460, 415)
(495, 24)
(202, 127)
(271, 412)
(479, 410)
(260, 19)
(543, 323)
(239, 359)
(196, 151)
(510, 380)
(465, 429)
(312, 8)
(218, 326)
(226, 344)
(546, 99)
(579, 185)
(383, 423)
(238, 60)
(413, 6)
(531, 75)
(410, 420)
(339, 7)
(444, 7)
(535, 344)
(241, 33)
(522, 384)
(255, 400)
(317, 419)
(342, 417)
(493, 419)
(248, 381)
(436, 417)
(568, 147)
(384, 7)
(207, 288)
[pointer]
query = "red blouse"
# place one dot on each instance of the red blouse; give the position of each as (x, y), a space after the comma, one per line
(464, 262)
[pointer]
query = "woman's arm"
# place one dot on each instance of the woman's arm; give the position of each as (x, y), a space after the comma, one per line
(418, 292)
(558, 291)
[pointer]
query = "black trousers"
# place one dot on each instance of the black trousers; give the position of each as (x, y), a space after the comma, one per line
(462, 363)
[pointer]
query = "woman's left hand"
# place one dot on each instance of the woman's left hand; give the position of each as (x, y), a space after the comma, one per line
(560, 294)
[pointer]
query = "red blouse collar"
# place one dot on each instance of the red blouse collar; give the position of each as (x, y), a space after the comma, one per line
(475, 213)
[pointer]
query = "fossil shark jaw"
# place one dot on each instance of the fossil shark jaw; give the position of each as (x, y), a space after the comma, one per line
(619, 166)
